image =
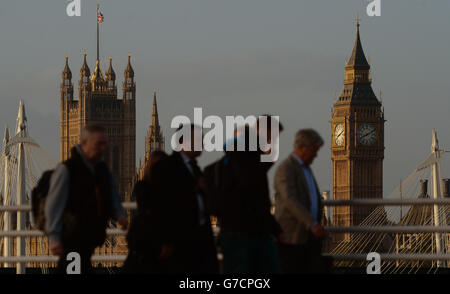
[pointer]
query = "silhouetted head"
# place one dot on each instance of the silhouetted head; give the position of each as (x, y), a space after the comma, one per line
(155, 157)
(94, 142)
(307, 144)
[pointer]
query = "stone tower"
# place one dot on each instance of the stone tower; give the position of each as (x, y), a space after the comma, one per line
(154, 140)
(357, 136)
(98, 103)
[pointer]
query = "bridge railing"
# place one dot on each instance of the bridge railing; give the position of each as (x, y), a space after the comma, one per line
(38, 233)
(332, 229)
(390, 229)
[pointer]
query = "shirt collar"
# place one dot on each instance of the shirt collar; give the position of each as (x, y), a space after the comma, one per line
(299, 160)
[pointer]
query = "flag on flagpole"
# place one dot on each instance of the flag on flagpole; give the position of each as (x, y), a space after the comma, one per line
(99, 16)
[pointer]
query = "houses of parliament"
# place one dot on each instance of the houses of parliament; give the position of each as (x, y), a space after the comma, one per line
(98, 102)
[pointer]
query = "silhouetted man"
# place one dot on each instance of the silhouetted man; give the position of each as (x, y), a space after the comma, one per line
(182, 209)
(239, 187)
(298, 207)
(82, 197)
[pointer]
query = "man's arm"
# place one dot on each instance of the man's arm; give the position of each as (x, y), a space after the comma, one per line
(55, 203)
(285, 185)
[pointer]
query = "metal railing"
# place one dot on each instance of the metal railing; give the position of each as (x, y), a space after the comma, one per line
(386, 202)
(390, 229)
(52, 258)
(333, 229)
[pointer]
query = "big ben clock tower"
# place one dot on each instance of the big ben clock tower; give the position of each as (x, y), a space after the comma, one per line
(357, 142)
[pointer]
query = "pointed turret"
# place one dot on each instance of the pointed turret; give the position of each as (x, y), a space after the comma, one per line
(66, 84)
(129, 87)
(85, 71)
(110, 74)
(110, 77)
(154, 139)
(129, 72)
(67, 73)
(84, 83)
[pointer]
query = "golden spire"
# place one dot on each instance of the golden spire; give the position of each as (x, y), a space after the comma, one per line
(97, 77)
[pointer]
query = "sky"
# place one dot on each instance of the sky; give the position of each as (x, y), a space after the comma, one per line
(239, 57)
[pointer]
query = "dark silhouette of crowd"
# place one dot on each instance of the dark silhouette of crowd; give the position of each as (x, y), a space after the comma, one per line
(171, 231)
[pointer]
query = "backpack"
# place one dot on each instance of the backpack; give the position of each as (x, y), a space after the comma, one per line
(38, 197)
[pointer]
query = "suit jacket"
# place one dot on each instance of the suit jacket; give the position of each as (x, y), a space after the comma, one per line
(241, 194)
(292, 202)
(176, 206)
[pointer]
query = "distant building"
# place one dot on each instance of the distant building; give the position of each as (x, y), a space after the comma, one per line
(357, 142)
(154, 141)
(99, 103)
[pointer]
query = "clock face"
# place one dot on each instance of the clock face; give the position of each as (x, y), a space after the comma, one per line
(339, 134)
(367, 134)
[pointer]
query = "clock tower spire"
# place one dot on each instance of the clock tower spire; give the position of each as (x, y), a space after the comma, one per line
(357, 143)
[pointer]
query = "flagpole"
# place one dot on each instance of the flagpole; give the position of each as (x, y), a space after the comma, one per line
(98, 7)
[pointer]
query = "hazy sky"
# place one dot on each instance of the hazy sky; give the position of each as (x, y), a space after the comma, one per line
(233, 57)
